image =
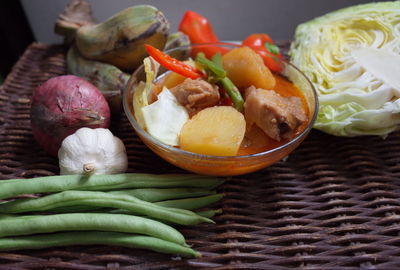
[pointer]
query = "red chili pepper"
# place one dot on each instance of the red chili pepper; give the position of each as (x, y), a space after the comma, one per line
(225, 99)
(199, 30)
(264, 45)
(173, 64)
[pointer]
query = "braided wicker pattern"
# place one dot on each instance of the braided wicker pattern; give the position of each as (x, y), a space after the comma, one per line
(333, 204)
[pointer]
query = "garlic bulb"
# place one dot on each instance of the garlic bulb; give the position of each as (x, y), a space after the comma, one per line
(92, 151)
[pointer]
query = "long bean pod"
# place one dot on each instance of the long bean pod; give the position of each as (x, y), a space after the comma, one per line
(217, 73)
(191, 203)
(209, 213)
(154, 195)
(188, 204)
(14, 187)
(103, 199)
(162, 194)
(95, 238)
(28, 225)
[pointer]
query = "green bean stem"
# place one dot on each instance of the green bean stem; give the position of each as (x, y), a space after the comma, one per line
(15, 187)
(95, 238)
(103, 199)
(27, 225)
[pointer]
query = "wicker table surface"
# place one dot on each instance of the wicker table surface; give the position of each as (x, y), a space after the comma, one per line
(333, 204)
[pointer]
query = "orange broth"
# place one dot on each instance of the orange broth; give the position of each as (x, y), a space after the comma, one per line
(255, 141)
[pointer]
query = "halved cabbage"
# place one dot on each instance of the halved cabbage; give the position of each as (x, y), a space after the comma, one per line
(352, 56)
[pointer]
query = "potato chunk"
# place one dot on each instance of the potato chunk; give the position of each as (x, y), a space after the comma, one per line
(173, 79)
(216, 131)
(246, 68)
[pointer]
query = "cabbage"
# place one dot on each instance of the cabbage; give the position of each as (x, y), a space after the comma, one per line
(352, 56)
(144, 90)
(165, 118)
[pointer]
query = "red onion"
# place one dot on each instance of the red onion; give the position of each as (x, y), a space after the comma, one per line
(62, 105)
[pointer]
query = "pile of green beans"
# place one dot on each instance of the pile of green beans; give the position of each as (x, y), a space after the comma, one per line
(130, 210)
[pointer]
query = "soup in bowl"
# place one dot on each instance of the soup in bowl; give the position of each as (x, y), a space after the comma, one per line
(216, 109)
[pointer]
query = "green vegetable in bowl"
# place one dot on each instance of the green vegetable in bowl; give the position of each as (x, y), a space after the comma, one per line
(352, 56)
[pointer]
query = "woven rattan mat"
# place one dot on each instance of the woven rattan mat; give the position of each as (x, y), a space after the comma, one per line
(333, 204)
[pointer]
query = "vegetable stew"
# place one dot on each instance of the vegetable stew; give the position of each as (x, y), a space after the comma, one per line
(184, 112)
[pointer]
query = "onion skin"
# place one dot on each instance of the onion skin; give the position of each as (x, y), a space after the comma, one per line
(62, 105)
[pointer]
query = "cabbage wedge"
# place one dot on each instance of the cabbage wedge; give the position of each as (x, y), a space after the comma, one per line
(352, 56)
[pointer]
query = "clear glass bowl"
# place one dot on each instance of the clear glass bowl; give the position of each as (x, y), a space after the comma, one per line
(221, 165)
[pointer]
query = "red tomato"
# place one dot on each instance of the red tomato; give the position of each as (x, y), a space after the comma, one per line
(263, 45)
(257, 40)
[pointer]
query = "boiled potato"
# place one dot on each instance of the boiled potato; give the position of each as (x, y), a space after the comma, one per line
(173, 79)
(246, 68)
(216, 131)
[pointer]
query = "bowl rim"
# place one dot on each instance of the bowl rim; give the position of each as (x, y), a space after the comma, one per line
(191, 155)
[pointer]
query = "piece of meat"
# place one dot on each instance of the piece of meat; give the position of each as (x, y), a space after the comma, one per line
(196, 95)
(277, 116)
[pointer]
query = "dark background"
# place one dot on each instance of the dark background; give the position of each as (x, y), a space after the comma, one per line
(15, 34)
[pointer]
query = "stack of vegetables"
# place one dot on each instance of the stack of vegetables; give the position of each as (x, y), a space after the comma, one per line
(129, 210)
(93, 202)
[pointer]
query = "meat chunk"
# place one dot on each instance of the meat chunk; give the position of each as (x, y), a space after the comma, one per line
(277, 116)
(196, 95)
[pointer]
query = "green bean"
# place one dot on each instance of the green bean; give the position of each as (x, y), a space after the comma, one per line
(217, 59)
(79, 209)
(216, 70)
(28, 225)
(191, 203)
(3, 216)
(145, 194)
(103, 199)
(233, 93)
(162, 194)
(45, 184)
(209, 213)
(95, 238)
(218, 74)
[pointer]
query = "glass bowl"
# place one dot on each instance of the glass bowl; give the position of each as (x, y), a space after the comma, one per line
(221, 165)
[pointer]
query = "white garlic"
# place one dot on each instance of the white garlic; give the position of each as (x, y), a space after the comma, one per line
(92, 151)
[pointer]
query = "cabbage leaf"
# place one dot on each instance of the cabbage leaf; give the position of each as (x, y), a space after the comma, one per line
(145, 89)
(352, 56)
(165, 118)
